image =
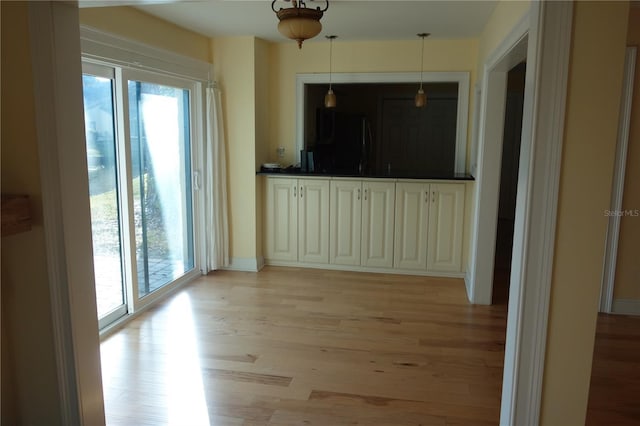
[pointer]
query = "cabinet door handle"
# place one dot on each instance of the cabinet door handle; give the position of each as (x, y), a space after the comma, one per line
(365, 194)
(433, 199)
(358, 193)
(295, 191)
(426, 196)
(301, 192)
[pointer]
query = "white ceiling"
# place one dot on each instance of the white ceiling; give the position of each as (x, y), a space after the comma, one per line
(349, 19)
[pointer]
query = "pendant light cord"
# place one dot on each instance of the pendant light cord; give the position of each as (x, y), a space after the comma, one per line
(422, 61)
(330, 59)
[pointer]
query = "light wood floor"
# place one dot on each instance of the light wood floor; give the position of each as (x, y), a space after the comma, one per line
(296, 346)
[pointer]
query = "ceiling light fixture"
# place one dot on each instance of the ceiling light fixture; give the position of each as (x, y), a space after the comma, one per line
(330, 97)
(421, 97)
(299, 22)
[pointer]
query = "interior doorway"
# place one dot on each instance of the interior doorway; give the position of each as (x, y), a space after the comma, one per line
(512, 137)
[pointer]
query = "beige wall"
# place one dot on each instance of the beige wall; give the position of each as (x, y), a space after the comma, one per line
(241, 67)
(504, 18)
(29, 381)
(136, 25)
(263, 92)
(234, 69)
(627, 282)
(351, 56)
(595, 82)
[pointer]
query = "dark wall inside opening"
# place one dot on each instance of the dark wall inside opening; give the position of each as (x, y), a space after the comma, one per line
(377, 129)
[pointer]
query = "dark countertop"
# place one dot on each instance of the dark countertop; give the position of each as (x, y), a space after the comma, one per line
(432, 176)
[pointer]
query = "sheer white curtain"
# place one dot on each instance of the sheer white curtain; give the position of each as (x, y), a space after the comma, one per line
(217, 226)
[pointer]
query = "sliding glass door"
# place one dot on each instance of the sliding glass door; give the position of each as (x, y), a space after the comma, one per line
(139, 157)
(161, 180)
(99, 114)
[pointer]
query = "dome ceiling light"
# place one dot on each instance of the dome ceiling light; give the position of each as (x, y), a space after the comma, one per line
(299, 22)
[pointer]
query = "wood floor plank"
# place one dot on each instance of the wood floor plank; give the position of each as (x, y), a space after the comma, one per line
(291, 346)
(614, 395)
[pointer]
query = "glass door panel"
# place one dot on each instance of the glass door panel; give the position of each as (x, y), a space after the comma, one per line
(103, 192)
(161, 182)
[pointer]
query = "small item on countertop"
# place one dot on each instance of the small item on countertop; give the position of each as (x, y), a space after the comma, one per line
(271, 167)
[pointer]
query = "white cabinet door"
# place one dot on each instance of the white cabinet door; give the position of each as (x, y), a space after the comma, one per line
(313, 221)
(345, 222)
(445, 227)
(412, 211)
(281, 219)
(378, 206)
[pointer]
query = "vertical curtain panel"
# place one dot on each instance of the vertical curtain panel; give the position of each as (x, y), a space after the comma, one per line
(217, 221)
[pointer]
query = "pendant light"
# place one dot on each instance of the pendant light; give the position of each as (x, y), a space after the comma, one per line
(330, 97)
(299, 22)
(421, 97)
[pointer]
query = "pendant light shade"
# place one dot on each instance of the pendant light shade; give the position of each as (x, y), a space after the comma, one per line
(299, 22)
(421, 97)
(330, 97)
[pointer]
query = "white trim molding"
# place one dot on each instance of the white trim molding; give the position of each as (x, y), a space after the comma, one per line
(509, 53)
(336, 267)
(613, 229)
(460, 77)
(490, 129)
(55, 54)
(536, 211)
(245, 264)
(101, 46)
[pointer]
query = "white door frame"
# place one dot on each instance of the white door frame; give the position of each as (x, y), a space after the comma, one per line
(57, 81)
(546, 32)
(613, 228)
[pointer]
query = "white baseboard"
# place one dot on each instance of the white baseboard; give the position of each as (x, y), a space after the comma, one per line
(245, 264)
(626, 307)
(333, 267)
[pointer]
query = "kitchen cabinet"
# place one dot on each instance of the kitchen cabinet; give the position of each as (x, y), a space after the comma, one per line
(412, 220)
(297, 220)
(361, 222)
(281, 217)
(365, 224)
(446, 221)
(378, 202)
(313, 220)
(345, 222)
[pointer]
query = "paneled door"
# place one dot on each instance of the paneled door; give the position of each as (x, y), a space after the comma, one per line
(377, 223)
(412, 220)
(281, 242)
(313, 221)
(345, 222)
(446, 227)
